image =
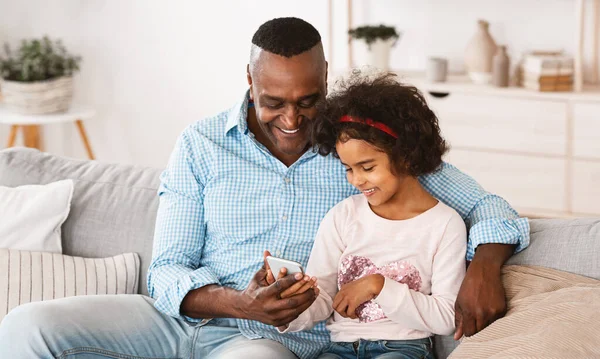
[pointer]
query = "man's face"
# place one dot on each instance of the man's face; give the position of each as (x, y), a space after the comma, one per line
(285, 92)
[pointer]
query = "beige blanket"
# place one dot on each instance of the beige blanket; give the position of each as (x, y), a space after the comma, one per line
(551, 314)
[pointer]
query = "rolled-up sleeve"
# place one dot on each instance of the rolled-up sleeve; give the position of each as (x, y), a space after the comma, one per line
(489, 218)
(179, 235)
(493, 220)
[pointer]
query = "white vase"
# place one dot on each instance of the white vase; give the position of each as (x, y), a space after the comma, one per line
(379, 53)
(479, 54)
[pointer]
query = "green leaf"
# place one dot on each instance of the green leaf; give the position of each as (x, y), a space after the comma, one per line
(38, 60)
(371, 33)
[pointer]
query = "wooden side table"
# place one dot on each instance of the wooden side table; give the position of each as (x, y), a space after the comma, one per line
(29, 124)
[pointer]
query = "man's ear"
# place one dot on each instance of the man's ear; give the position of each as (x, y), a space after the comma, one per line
(249, 79)
(248, 76)
(326, 77)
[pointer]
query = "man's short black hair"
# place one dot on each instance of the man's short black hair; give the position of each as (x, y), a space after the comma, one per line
(286, 36)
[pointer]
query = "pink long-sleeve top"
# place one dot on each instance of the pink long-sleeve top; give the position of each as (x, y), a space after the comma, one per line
(421, 258)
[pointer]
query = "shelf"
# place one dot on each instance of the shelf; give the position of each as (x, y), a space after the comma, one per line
(460, 83)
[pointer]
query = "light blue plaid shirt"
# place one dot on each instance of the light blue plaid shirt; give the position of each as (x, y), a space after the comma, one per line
(224, 199)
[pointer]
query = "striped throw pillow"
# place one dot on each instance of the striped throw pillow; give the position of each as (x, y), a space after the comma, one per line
(36, 276)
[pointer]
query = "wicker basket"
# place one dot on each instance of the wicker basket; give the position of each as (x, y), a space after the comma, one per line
(35, 98)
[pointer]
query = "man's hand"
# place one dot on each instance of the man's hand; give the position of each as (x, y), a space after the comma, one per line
(481, 299)
(263, 302)
(355, 293)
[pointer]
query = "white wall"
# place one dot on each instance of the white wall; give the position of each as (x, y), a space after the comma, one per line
(149, 67)
(152, 67)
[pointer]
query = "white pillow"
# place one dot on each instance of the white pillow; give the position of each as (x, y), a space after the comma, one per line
(35, 276)
(31, 216)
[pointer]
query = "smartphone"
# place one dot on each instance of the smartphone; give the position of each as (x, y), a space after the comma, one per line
(277, 263)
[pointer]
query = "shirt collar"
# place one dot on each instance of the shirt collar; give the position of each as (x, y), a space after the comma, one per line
(239, 116)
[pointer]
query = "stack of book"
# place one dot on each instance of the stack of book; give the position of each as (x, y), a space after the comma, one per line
(547, 73)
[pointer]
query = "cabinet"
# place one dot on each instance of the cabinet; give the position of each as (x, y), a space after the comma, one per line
(540, 151)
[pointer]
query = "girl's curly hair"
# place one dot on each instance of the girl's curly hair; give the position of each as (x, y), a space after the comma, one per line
(419, 147)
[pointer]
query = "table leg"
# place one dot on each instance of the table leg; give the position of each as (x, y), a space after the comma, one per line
(38, 138)
(13, 135)
(84, 138)
(31, 135)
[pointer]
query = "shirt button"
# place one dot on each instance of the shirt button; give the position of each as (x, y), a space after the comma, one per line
(287, 180)
(284, 218)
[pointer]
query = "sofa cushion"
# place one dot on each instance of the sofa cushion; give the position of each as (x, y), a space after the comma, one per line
(32, 216)
(27, 277)
(547, 310)
(570, 245)
(113, 209)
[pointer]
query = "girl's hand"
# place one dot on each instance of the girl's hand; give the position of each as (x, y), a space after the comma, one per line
(271, 278)
(298, 288)
(355, 293)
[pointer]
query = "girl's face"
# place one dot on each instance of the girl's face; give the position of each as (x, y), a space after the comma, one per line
(369, 169)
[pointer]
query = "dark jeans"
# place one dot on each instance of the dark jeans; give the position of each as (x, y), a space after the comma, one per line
(381, 349)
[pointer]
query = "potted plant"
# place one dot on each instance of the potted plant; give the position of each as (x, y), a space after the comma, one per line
(38, 78)
(380, 40)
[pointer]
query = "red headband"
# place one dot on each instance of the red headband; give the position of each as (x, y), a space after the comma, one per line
(370, 122)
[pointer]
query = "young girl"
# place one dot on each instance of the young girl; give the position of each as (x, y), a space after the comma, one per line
(388, 262)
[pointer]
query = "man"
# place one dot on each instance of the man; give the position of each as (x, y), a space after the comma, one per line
(237, 184)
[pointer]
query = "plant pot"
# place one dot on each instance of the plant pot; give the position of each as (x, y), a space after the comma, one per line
(36, 98)
(379, 53)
